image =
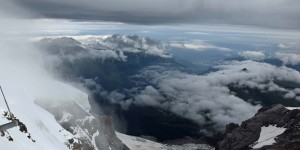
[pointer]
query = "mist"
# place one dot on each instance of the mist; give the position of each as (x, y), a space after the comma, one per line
(23, 74)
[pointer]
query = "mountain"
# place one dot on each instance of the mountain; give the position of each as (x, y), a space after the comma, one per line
(43, 127)
(132, 85)
(96, 63)
(148, 92)
(71, 126)
(272, 128)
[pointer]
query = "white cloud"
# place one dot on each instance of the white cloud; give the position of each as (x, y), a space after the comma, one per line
(198, 33)
(199, 97)
(149, 96)
(287, 45)
(288, 58)
(252, 55)
(196, 45)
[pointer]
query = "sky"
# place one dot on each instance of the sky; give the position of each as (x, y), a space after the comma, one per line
(264, 13)
(276, 18)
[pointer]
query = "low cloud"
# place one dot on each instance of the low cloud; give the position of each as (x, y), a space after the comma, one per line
(284, 46)
(288, 58)
(206, 99)
(253, 55)
(197, 45)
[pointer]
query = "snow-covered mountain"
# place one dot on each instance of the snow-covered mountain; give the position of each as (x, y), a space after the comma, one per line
(44, 129)
(71, 126)
(26, 83)
(144, 88)
(56, 115)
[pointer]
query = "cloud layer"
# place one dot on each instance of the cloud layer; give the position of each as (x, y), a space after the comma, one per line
(197, 45)
(272, 13)
(253, 55)
(206, 99)
(288, 58)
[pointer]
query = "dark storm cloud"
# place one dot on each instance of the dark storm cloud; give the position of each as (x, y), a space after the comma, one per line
(272, 13)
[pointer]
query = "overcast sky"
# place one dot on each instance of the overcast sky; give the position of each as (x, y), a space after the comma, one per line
(266, 13)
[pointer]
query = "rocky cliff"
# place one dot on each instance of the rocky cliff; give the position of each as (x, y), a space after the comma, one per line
(272, 128)
(92, 132)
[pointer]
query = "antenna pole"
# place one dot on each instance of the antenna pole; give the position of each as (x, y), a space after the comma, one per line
(5, 100)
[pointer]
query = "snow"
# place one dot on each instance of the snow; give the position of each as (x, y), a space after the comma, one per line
(66, 117)
(41, 125)
(24, 81)
(94, 139)
(87, 118)
(267, 136)
(292, 108)
(136, 143)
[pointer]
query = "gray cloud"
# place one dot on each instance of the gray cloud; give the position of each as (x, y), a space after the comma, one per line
(272, 13)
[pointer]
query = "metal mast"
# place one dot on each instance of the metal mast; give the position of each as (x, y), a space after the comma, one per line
(5, 100)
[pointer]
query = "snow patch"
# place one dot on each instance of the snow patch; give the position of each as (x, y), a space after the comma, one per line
(136, 143)
(267, 136)
(66, 117)
(94, 139)
(292, 108)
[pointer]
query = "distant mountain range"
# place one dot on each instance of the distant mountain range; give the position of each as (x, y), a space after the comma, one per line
(117, 70)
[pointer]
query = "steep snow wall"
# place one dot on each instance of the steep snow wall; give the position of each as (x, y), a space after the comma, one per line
(42, 126)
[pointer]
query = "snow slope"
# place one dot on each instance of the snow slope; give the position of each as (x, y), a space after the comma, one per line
(267, 136)
(136, 143)
(47, 132)
(25, 80)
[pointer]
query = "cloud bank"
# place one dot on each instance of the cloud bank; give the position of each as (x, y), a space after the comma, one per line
(206, 99)
(270, 13)
(288, 58)
(253, 55)
(197, 45)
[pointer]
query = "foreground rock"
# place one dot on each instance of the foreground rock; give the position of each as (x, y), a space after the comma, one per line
(273, 120)
(92, 132)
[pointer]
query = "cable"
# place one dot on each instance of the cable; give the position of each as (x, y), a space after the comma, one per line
(5, 100)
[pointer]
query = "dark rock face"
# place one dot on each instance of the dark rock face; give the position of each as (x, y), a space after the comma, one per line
(242, 137)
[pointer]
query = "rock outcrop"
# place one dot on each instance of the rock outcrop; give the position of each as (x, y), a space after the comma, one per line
(92, 132)
(244, 136)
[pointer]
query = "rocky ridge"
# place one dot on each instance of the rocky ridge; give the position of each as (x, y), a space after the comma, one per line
(246, 135)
